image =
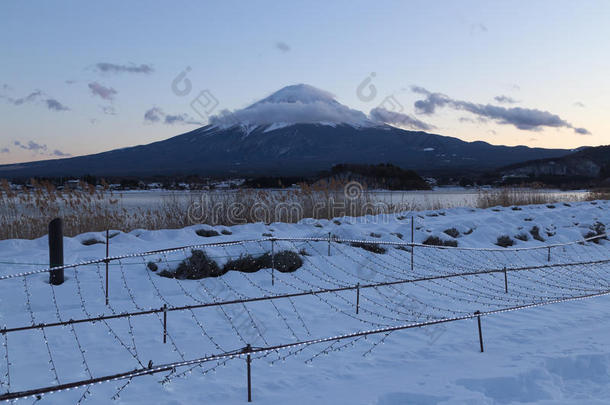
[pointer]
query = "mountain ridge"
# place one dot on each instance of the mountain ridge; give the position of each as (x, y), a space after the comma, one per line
(298, 130)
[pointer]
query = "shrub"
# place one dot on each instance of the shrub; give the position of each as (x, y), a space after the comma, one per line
(226, 232)
(436, 241)
(92, 241)
(597, 229)
(195, 267)
(206, 233)
(398, 235)
(285, 262)
(375, 235)
(504, 241)
(522, 236)
(535, 232)
(152, 266)
(369, 247)
(454, 233)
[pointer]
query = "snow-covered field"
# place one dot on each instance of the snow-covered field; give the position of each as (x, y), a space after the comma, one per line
(555, 353)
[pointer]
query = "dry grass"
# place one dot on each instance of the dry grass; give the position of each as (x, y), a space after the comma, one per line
(510, 197)
(599, 194)
(26, 213)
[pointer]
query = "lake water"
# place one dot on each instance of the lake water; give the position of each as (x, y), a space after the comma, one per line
(438, 198)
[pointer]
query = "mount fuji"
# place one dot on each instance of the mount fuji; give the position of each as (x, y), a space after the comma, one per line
(298, 130)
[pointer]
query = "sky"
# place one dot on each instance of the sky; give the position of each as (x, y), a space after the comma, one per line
(85, 77)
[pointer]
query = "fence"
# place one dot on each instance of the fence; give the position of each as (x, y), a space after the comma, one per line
(453, 274)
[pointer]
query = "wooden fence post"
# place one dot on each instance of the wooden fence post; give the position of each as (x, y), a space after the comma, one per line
(56, 251)
(357, 298)
(478, 314)
(107, 254)
(164, 323)
(272, 261)
(248, 363)
(412, 240)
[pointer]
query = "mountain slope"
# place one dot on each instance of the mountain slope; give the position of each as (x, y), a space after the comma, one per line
(291, 150)
(298, 130)
(593, 163)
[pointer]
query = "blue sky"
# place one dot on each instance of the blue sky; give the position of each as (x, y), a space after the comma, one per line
(92, 70)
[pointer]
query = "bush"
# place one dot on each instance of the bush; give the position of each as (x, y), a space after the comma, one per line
(375, 235)
(285, 262)
(152, 266)
(369, 247)
(505, 241)
(454, 233)
(226, 232)
(535, 232)
(206, 233)
(522, 236)
(196, 267)
(597, 229)
(92, 241)
(436, 241)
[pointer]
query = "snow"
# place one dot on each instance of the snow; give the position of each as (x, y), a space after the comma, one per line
(549, 354)
(295, 104)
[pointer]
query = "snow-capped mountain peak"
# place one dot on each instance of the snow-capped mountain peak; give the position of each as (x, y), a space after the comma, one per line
(298, 93)
(295, 104)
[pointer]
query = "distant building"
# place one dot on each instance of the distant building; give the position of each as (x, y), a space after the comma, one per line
(72, 185)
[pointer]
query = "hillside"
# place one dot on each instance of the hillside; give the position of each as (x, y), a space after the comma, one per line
(587, 164)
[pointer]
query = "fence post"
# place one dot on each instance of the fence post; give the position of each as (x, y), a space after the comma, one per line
(107, 254)
(412, 240)
(248, 365)
(56, 250)
(272, 261)
(164, 323)
(549, 257)
(478, 314)
(505, 282)
(357, 298)
(329, 243)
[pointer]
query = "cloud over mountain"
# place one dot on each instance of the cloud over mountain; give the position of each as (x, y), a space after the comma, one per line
(105, 67)
(157, 115)
(37, 96)
(399, 119)
(299, 103)
(107, 93)
(529, 119)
